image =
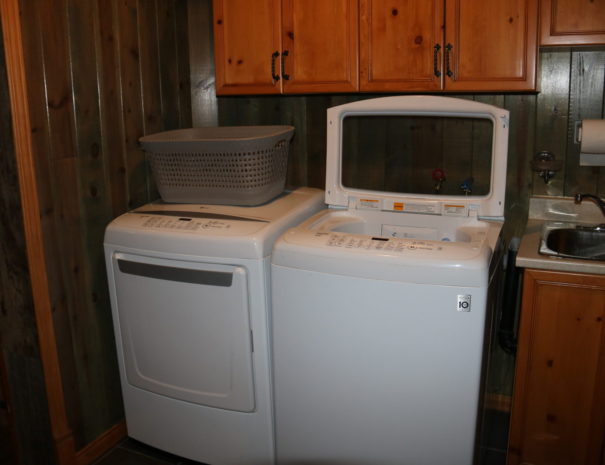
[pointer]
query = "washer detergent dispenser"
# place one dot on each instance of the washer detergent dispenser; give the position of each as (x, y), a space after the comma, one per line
(380, 303)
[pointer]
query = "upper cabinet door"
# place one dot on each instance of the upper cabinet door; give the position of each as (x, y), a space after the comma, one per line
(490, 45)
(319, 39)
(401, 45)
(572, 22)
(247, 46)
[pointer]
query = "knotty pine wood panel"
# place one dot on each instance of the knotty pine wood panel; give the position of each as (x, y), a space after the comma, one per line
(201, 51)
(180, 59)
(321, 39)
(552, 117)
(397, 45)
(36, 63)
(520, 150)
(22, 129)
(101, 74)
(586, 96)
(246, 37)
(572, 22)
(558, 406)
(506, 60)
(127, 40)
(97, 382)
(23, 422)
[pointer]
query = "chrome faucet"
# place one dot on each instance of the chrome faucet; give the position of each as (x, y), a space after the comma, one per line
(579, 197)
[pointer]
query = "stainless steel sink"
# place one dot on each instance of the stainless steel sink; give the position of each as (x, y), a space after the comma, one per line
(580, 242)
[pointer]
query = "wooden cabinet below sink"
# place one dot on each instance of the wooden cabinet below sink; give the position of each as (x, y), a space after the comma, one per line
(558, 415)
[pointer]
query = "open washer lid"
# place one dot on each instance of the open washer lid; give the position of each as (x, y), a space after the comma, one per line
(391, 154)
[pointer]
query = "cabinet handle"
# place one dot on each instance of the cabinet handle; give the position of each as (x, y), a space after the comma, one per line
(284, 54)
(436, 60)
(273, 58)
(449, 72)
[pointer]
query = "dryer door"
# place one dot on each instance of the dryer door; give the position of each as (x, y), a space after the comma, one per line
(185, 329)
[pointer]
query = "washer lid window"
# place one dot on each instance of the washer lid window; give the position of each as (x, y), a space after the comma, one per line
(393, 154)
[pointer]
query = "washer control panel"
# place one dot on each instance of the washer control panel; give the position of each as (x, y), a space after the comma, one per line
(396, 245)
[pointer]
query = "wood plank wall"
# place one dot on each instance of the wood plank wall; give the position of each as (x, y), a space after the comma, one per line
(101, 74)
(24, 412)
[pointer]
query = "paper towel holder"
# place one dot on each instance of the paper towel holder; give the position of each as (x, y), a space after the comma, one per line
(588, 157)
(577, 132)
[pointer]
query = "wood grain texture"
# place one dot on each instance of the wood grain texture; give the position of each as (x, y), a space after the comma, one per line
(99, 75)
(505, 58)
(246, 35)
(586, 93)
(397, 45)
(552, 117)
(102, 444)
(572, 22)
(180, 59)
(13, 43)
(96, 383)
(126, 33)
(22, 422)
(558, 412)
(321, 38)
(201, 59)
(520, 149)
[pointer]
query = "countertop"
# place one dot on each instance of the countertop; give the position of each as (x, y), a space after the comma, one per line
(544, 210)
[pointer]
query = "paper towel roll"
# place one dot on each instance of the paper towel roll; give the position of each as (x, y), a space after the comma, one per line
(592, 143)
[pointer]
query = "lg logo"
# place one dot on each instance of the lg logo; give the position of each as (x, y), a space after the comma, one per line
(464, 303)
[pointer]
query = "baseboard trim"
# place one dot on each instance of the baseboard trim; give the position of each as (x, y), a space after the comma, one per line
(102, 444)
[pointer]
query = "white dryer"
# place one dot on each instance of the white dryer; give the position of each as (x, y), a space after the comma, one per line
(189, 289)
(380, 304)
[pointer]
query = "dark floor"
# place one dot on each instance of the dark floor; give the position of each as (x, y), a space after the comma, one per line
(130, 452)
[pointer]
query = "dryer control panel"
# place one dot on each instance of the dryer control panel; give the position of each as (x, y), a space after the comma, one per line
(195, 222)
(181, 223)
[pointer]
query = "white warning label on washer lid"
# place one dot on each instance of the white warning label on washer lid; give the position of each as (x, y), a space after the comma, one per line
(457, 209)
(368, 204)
(464, 303)
(429, 208)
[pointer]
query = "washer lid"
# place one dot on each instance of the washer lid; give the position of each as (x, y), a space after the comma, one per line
(418, 154)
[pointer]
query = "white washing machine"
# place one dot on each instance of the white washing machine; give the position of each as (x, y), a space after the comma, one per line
(380, 304)
(189, 289)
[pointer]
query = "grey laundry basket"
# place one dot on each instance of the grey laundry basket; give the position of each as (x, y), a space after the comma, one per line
(227, 165)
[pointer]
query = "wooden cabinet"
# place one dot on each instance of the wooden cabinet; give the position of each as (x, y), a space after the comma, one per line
(285, 46)
(320, 40)
(572, 22)
(456, 45)
(401, 44)
(490, 45)
(247, 43)
(558, 415)
(311, 46)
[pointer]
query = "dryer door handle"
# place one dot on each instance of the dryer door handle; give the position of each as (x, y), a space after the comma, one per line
(171, 273)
